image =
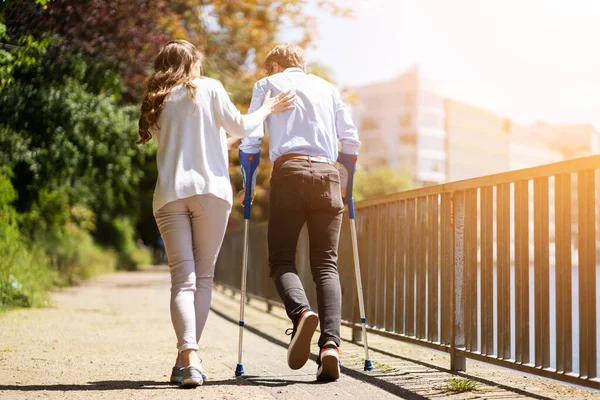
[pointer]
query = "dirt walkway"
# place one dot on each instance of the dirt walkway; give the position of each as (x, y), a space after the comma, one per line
(111, 338)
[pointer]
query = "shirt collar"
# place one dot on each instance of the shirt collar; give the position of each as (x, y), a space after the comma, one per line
(293, 69)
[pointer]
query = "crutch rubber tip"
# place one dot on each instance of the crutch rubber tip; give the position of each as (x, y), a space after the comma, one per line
(368, 365)
(239, 370)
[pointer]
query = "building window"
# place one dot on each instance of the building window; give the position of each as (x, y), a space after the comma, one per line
(369, 124)
(431, 120)
(506, 126)
(408, 99)
(432, 165)
(431, 99)
(406, 121)
(408, 139)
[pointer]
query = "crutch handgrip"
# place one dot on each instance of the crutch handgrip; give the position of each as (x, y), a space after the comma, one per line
(348, 162)
(249, 162)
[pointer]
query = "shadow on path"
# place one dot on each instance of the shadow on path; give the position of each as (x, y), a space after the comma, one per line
(248, 380)
(279, 381)
(379, 383)
(373, 380)
(461, 374)
(91, 386)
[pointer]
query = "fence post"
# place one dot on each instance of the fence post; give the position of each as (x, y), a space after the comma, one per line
(457, 278)
(356, 334)
(356, 328)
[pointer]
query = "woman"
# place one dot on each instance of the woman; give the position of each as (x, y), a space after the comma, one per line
(188, 115)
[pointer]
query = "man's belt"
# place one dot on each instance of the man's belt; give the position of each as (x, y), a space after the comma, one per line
(317, 159)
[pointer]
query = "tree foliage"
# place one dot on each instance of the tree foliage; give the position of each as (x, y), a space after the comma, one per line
(380, 181)
(124, 35)
(59, 132)
(235, 36)
(71, 73)
(120, 34)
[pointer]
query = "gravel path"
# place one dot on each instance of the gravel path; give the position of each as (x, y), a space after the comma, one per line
(111, 338)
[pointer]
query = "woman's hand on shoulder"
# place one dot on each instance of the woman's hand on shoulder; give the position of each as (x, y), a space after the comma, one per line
(241, 196)
(233, 142)
(281, 102)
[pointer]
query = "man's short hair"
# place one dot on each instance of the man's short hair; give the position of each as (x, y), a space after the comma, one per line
(287, 56)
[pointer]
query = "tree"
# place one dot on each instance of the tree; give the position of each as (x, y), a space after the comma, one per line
(67, 139)
(120, 34)
(73, 136)
(380, 181)
(234, 35)
(105, 49)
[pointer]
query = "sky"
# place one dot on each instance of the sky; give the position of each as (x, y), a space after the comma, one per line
(527, 60)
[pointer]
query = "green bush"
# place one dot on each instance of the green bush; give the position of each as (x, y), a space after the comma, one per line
(142, 257)
(56, 249)
(69, 168)
(25, 273)
(380, 181)
(63, 232)
(118, 233)
(75, 256)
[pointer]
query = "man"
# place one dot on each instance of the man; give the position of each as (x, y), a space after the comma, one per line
(305, 188)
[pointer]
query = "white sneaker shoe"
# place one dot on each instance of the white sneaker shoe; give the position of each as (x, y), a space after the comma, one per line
(302, 333)
(177, 375)
(328, 363)
(192, 376)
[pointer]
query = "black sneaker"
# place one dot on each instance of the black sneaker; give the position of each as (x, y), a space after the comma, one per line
(328, 363)
(302, 333)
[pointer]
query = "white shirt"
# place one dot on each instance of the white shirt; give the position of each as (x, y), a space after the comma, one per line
(192, 153)
(320, 118)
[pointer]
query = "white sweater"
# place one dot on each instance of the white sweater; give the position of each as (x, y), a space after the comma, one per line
(192, 153)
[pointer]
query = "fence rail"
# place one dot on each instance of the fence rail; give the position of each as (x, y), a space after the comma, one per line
(501, 269)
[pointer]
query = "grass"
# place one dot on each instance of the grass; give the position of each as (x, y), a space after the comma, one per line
(25, 273)
(142, 257)
(53, 246)
(76, 257)
(460, 385)
(379, 367)
(30, 269)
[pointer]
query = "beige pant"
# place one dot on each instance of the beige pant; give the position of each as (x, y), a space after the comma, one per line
(192, 230)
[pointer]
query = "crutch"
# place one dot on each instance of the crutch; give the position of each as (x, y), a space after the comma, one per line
(348, 161)
(249, 164)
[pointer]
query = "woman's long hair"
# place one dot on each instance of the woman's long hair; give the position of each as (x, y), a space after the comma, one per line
(177, 63)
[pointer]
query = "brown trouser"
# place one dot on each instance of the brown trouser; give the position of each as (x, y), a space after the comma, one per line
(307, 192)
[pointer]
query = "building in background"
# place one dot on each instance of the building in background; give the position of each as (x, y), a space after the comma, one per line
(477, 141)
(527, 150)
(572, 140)
(543, 143)
(407, 124)
(401, 125)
